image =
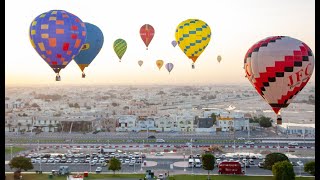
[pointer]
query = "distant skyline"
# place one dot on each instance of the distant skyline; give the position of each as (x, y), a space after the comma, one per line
(235, 26)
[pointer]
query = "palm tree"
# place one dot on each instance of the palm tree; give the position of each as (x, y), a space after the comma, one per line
(28, 125)
(9, 126)
(19, 125)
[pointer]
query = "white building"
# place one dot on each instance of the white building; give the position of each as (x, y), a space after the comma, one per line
(294, 128)
(126, 123)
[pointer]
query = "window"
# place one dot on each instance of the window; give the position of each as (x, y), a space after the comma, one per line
(50, 121)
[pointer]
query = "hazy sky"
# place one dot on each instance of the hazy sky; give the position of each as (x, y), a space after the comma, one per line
(235, 25)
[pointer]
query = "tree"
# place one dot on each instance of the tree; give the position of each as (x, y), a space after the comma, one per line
(208, 161)
(309, 167)
(35, 105)
(214, 117)
(273, 158)
(283, 170)
(9, 126)
(114, 165)
(19, 125)
(28, 125)
(20, 163)
(265, 121)
(76, 105)
(50, 126)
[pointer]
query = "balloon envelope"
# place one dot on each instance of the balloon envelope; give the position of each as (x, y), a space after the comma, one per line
(219, 58)
(279, 67)
(146, 34)
(120, 47)
(159, 63)
(140, 63)
(91, 47)
(193, 36)
(174, 43)
(57, 36)
(169, 67)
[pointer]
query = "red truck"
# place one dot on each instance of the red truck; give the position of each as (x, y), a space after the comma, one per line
(230, 168)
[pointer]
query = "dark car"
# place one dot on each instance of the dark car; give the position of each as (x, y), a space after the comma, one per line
(151, 137)
(294, 163)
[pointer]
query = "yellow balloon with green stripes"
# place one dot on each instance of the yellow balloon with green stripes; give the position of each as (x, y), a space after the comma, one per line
(193, 36)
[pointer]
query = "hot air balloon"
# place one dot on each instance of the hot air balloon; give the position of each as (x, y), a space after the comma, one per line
(169, 67)
(174, 43)
(140, 63)
(279, 67)
(193, 36)
(91, 48)
(57, 36)
(159, 63)
(146, 33)
(219, 58)
(120, 47)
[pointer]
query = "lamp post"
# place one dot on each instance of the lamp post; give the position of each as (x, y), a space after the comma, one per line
(11, 151)
(40, 156)
(184, 161)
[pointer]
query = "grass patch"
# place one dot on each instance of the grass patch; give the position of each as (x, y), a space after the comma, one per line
(231, 177)
(14, 150)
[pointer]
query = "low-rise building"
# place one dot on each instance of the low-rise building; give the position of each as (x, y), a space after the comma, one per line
(294, 128)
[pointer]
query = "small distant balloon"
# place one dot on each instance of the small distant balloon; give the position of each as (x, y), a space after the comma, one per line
(159, 63)
(174, 43)
(169, 67)
(140, 63)
(219, 58)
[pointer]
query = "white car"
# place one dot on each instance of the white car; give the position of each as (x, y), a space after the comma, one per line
(127, 161)
(241, 138)
(76, 161)
(293, 144)
(99, 169)
(300, 163)
(158, 154)
(160, 176)
(249, 143)
(131, 163)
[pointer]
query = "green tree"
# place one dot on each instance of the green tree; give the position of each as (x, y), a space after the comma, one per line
(35, 105)
(283, 170)
(273, 158)
(9, 126)
(114, 165)
(309, 167)
(265, 121)
(28, 126)
(214, 117)
(76, 105)
(19, 125)
(208, 161)
(20, 163)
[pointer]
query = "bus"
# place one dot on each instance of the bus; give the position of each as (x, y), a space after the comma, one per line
(230, 168)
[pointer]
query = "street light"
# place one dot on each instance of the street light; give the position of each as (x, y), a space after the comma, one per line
(184, 162)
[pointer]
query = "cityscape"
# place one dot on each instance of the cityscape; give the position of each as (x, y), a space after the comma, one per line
(162, 125)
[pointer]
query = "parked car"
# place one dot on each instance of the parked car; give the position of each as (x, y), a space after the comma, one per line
(260, 164)
(158, 154)
(241, 138)
(294, 163)
(99, 169)
(300, 163)
(151, 137)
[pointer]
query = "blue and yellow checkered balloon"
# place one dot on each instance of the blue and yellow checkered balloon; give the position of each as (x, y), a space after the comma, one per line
(193, 36)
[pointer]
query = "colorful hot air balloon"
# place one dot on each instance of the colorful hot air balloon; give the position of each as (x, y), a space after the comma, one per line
(174, 43)
(91, 48)
(169, 67)
(140, 63)
(193, 36)
(120, 47)
(219, 58)
(146, 33)
(159, 63)
(279, 67)
(57, 36)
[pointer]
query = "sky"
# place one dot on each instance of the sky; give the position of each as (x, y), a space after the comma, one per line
(235, 27)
